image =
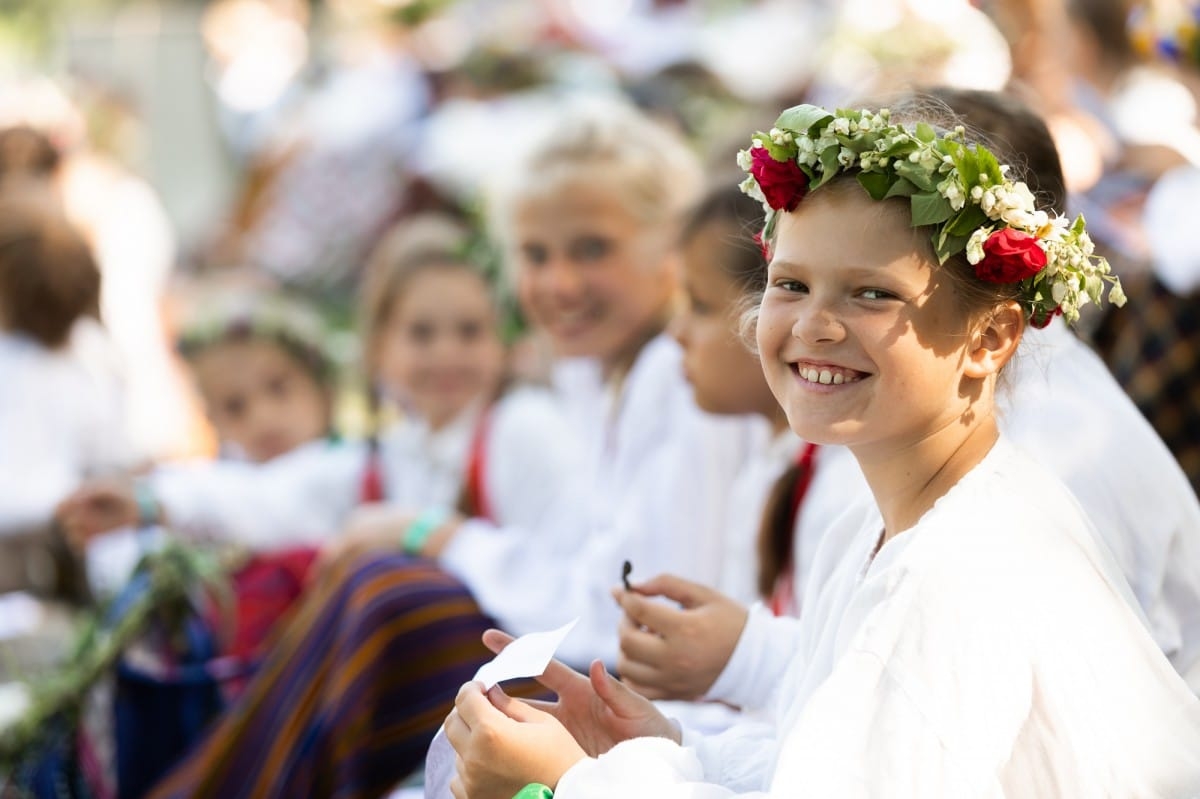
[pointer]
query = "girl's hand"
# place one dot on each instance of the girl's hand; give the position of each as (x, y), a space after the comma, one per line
(370, 528)
(503, 744)
(676, 653)
(597, 710)
(96, 507)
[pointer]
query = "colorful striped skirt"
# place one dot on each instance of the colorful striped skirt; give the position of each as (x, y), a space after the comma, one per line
(352, 691)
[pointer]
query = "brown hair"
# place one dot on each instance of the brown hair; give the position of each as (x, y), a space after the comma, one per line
(26, 153)
(425, 241)
(726, 204)
(48, 277)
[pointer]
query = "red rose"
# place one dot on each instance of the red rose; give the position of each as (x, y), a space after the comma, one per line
(1041, 319)
(783, 183)
(1010, 256)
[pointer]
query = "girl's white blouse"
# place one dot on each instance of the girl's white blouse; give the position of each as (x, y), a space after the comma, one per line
(306, 495)
(993, 649)
(653, 489)
(61, 420)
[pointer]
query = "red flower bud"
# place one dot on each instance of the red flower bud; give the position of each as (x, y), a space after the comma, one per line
(783, 183)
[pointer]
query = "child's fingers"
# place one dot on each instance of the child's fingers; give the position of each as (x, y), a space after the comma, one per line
(496, 640)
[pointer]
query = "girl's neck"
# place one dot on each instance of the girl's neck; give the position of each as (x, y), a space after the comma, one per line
(617, 367)
(907, 480)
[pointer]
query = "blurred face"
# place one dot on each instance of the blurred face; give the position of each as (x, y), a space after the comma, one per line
(439, 349)
(259, 398)
(589, 273)
(860, 340)
(725, 376)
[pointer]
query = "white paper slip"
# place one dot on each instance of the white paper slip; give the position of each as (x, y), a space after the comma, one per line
(527, 656)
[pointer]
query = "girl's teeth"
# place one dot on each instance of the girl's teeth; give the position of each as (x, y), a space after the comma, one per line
(825, 376)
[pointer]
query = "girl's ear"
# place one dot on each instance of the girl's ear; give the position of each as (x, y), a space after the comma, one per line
(995, 340)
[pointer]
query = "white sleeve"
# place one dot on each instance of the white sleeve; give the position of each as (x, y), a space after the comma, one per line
(303, 497)
(759, 662)
(643, 767)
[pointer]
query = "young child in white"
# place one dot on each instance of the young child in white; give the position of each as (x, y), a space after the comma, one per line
(972, 636)
(433, 344)
(1135, 492)
(61, 420)
(263, 372)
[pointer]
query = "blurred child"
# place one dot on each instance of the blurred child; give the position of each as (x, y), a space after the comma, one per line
(432, 345)
(263, 371)
(60, 420)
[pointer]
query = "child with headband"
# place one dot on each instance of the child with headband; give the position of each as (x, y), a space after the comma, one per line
(970, 636)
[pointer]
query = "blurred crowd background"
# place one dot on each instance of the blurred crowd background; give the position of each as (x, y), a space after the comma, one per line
(268, 145)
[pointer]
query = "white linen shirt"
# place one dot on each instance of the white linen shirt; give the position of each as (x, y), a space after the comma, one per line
(653, 490)
(991, 650)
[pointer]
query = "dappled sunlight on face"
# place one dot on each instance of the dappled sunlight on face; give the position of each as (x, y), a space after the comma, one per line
(862, 338)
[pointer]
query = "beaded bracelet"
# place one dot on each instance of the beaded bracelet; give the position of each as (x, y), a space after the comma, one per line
(422, 527)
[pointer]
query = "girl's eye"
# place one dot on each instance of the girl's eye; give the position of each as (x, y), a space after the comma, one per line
(470, 331)
(794, 286)
(589, 248)
(421, 333)
(277, 386)
(234, 406)
(876, 294)
(534, 254)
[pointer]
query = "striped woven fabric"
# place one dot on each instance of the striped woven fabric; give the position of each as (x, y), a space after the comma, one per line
(352, 693)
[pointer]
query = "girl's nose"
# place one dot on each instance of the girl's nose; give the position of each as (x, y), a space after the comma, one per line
(562, 278)
(817, 323)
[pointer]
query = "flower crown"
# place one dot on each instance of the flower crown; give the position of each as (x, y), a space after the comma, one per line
(298, 330)
(959, 190)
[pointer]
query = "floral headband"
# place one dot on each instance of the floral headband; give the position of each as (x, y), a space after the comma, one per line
(959, 190)
(298, 330)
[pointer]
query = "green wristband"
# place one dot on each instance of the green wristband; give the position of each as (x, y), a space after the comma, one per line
(422, 528)
(535, 790)
(149, 511)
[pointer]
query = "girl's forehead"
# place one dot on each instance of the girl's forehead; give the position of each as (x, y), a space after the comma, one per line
(576, 201)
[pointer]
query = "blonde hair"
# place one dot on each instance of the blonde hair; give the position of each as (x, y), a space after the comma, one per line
(425, 241)
(654, 171)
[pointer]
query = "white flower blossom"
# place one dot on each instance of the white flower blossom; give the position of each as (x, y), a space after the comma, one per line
(1085, 243)
(744, 160)
(750, 188)
(976, 193)
(841, 125)
(1116, 295)
(953, 192)
(975, 244)
(1058, 292)
(847, 157)
(987, 202)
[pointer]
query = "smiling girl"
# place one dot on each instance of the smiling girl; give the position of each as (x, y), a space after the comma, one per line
(981, 641)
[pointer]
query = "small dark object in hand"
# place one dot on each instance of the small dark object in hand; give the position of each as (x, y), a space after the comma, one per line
(625, 570)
